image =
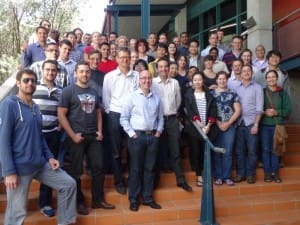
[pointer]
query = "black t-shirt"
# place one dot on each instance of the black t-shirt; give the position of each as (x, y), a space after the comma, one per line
(82, 104)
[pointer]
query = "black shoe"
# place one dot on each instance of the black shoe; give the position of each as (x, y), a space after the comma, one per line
(276, 178)
(121, 189)
(185, 186)
(251, 180)
(268, 178)
(103, 205)
(134, 206)
(238, 179)
(152, 205)
(82, 209)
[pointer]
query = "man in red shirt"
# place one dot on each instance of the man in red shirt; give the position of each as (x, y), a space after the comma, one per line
(106, 65)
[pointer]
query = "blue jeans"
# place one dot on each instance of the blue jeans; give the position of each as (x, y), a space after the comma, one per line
(245, 151)
(270, 160)
(223, 162)
(143, 155)
(57, 179)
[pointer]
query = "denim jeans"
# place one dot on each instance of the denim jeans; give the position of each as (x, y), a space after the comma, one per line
(223, 162)
(143, 155)
(115, 133)
(270, 160)
(93, 150)
(246, 151)
(53, 142)
(57, 179)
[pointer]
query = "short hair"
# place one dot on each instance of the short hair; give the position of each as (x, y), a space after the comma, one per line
(237, 37)
(212, 33)
(77, 28)
(238, 60)
(49, 44)
(123, 49)
(44, 20)
(222, 73)
(81, 63)
(163, 59)
(65, 42)
(194, 41)
(245, 50)
(214, 48)
(273, 52)
(162, 45)
(114, 33)
(182, 33)
(50, 61)
(142, 40)
(104, 43)
(152, 33)
(40, 27)
(70, 33)
(140, 61)
(208, 58)
(173, 63)
(25, 71)
(271, 71)
(250, 66)
(95, 51)
(194, 67)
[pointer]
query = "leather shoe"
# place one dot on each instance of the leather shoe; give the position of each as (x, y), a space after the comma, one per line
(103, 205)
(185, 186)
(238, 179)
(121, 189)
(134, 206)
(152, 205)
(251, 180)
(82, 209)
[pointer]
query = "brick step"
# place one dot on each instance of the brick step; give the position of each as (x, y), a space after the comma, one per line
(293, 138)
(292, 147)
(229, 210)
(168, 179)
(292, 158)
(293, 128)
(170, 193)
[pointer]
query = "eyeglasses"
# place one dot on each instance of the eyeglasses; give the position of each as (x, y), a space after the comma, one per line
(26, 80)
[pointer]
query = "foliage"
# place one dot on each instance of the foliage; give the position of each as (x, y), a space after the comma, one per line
(18, 19)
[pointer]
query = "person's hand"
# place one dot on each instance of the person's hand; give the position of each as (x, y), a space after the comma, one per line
(254, 130)
(270, 112)
(134, 136)
(99, 136)
(157, 134)
(11, 181)
(223, 126)
(77, 138)
(54, 164)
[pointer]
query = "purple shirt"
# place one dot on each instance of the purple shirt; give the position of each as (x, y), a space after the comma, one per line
(252, 101)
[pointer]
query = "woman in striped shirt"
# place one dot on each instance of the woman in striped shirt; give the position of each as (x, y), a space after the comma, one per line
(201, 108)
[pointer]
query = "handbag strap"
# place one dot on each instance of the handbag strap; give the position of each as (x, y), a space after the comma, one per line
(271, 103)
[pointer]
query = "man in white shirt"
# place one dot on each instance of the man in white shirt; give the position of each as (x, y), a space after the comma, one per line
(117, 84)
(169, 91)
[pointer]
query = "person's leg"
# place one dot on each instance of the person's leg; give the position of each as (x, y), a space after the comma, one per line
(136, 150)
(217, 157)
(251, 142)
(17, 202)
(95, 157)
(65, 186)
(150, 156)
(114, 131)
(266, 147)
(240, 151)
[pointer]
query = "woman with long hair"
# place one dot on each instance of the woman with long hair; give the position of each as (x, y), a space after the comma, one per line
(200, 107)
(172, 52)
(182, 65)
(228, 111)
(209, 74)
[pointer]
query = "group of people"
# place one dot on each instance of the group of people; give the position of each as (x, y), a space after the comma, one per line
(83, 99)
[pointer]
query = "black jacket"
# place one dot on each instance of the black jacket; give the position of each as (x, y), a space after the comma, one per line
(192, 112)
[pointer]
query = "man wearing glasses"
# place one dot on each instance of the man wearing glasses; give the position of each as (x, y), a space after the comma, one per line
(25, 155)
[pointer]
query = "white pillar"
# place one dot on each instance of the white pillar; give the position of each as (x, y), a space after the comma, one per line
(261, 33)
(181, 22)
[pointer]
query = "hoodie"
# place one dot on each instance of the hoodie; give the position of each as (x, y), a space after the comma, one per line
(23, 149)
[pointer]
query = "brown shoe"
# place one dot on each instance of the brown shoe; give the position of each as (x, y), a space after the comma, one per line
(103, 205)
(238, 179)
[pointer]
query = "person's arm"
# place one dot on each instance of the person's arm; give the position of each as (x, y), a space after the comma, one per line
(99, 125)
(259, 109)
(126, 115)
(106, 93)
(160, 119)
(177, 95)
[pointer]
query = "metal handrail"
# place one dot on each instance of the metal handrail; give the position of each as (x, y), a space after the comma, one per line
(207, 216)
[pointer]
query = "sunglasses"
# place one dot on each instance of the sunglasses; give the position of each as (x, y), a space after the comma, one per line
(26, 80)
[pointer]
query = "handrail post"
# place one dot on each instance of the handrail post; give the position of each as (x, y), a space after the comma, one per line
(207, 216)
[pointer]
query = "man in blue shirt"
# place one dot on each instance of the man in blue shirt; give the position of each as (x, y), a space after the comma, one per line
(142, 119)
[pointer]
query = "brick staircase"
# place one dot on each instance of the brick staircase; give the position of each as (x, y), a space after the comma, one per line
(242, 204)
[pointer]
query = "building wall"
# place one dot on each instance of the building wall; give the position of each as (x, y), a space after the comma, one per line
(282, 8)
(181, 21)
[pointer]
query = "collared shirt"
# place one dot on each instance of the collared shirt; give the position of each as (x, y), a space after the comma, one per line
(70, 66)
(169, 92)
(116, 86)
(76, 55)
(34, 53)
(141, 112)
(252, 101)
(233, 82)
(62, 78)
(47, 99)
(260, 64)
(205, 52)
(182, 50)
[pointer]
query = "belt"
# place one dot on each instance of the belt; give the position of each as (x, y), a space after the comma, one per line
(146, 132)
(166, 117)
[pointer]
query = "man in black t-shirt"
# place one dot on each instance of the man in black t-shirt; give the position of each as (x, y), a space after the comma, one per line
(80, 115)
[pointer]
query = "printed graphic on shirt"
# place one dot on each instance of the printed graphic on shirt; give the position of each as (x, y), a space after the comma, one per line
(87, 102)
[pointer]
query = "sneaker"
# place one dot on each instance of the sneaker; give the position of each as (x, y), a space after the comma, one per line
(47, 211)
(250, 179)
(268, 178)
(276, 178)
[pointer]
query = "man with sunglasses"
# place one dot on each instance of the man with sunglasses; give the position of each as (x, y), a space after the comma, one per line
(25, 155)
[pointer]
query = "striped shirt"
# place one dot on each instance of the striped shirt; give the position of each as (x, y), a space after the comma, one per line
(48, 101)
(201, 106)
